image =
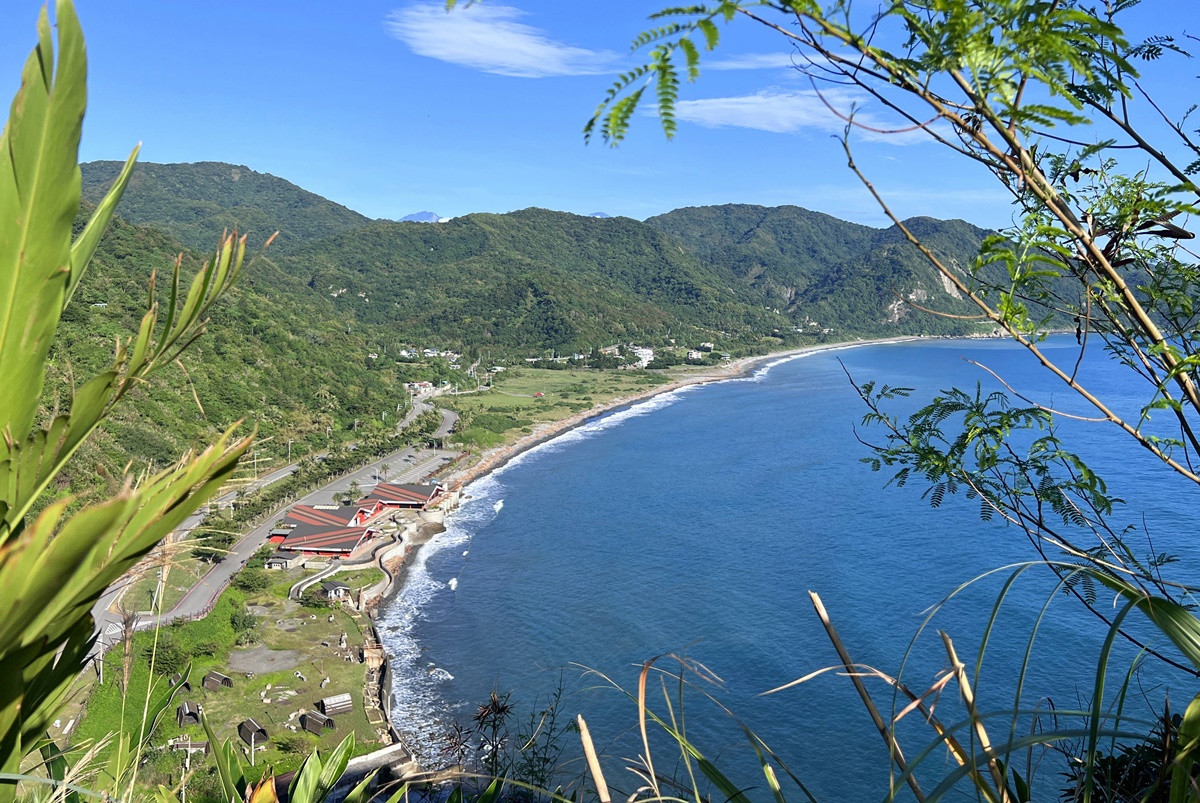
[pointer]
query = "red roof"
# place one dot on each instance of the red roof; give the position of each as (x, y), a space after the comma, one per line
(401, 495)
(328, 529)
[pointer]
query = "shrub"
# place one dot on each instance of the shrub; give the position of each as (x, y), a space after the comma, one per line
(243, 621)
(252, 581)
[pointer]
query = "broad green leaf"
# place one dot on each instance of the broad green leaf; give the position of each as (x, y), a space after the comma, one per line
(1183, 775)
(39, 199)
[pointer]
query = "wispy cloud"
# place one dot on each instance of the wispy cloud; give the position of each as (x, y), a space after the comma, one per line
(489, 37)
(751, 61)
(790, 112)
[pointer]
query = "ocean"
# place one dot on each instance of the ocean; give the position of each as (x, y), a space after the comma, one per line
(695, 524)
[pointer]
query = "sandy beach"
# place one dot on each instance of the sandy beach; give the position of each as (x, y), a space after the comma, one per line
(493, 459)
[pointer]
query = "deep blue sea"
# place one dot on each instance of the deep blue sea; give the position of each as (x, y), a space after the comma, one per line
(697, 522)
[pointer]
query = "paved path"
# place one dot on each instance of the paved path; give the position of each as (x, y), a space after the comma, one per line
(407, 465)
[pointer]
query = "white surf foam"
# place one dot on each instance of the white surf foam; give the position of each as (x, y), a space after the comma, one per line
(420, 712)
(592, 428)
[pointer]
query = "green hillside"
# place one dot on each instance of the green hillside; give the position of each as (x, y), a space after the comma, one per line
(820, 270)
(531, 281)
(195, 202)
(535, 281)
(275, 353)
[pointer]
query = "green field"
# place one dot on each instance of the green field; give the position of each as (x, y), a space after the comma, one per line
(287, 638)
(182, 572)
(511, 408)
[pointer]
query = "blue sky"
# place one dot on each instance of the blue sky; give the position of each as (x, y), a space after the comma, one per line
(395, 107)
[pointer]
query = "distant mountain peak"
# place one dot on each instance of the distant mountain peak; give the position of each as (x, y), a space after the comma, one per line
(599, 214)
(421, 217)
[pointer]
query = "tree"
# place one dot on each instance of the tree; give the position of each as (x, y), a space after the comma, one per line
(251, 580)
(1046, 95)
(55, 565)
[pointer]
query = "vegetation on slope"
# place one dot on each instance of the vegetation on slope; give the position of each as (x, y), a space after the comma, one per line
(818, 269)
(192, 201)
(538, 281)
(284, 358)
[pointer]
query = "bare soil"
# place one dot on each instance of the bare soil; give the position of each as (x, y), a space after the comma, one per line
(261, 659)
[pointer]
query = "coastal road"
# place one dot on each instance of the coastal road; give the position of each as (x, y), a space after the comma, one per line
(108, 624)
(407, 465)
(416, 464)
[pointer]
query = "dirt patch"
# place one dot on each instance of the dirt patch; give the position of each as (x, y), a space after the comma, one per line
(261, 659)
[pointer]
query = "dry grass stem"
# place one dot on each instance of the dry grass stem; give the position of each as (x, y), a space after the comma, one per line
(888, 737)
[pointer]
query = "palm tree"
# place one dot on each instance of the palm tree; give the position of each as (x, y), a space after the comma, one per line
(384, 470)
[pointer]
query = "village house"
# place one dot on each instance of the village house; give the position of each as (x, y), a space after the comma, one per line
(335, 590)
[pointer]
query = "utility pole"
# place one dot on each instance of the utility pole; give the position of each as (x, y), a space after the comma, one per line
(290, 442)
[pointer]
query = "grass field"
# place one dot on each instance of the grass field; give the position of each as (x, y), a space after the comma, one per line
(275, 677)
(512, 406)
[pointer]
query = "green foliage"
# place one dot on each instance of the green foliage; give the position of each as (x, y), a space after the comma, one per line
(191, 201)
(165, 655)
(251, 580)
(243, 621)
(53, 566)
(315, 599)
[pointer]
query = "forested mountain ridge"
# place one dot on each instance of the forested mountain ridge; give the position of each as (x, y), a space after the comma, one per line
(821, 269)
(274, 354)
(535, 281)
(307, 343)
(195, 202)
(532, 279)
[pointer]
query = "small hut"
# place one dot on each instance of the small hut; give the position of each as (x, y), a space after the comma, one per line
(213, 681)
(335, 589)
(176, 678)
(285, 559)
(187, 713)
(337, 704)
(314, 722)
(252, 733)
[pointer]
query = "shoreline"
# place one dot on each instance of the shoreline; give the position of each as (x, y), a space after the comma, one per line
(496, 458)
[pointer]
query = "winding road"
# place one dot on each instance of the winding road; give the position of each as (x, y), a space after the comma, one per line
(414, 465)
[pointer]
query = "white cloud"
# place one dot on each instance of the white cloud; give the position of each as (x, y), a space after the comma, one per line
(793, 111)
(489, 38)
(751, 61)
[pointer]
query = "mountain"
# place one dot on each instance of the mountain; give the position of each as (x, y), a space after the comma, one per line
(195, 202)
(304, 340)
(274, 351)
(530, 280)
(522, 283)
(599, 214)
(820, 270)
(421, 217)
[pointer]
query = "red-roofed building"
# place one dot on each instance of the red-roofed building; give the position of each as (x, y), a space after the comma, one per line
(328, 529)
(413, 497)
